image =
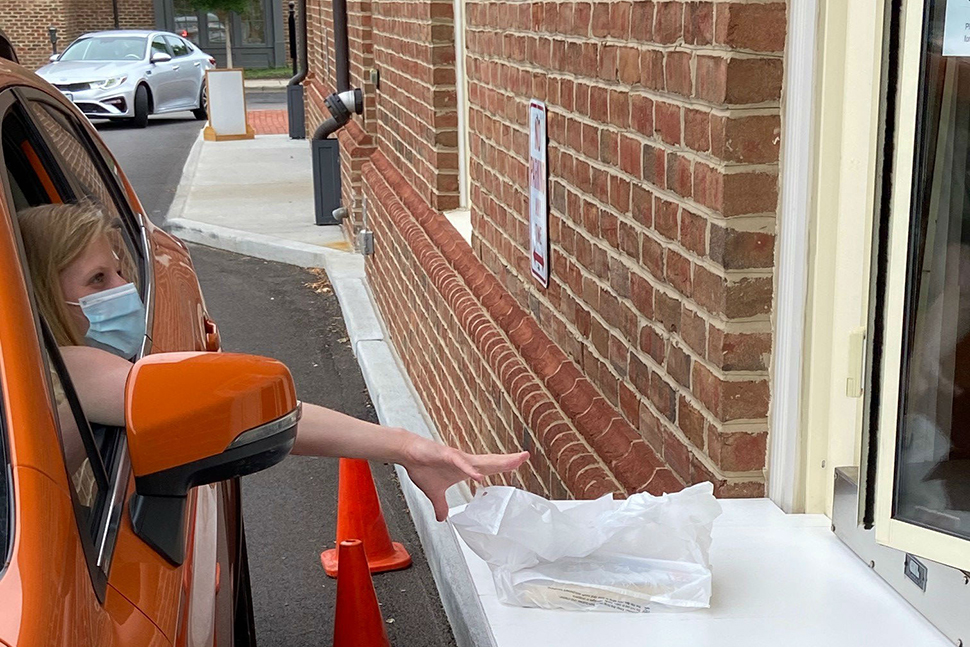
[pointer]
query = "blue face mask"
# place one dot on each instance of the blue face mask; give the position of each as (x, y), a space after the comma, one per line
(116, 319)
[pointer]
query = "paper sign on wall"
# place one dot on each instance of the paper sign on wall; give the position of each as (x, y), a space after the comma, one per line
(538, 194)
(956, 28)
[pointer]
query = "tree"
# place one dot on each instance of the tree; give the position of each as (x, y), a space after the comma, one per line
(223, 8)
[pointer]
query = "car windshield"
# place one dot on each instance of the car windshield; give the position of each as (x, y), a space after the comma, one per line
(106, 48)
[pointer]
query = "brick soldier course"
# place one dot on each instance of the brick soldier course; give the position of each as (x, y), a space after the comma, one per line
(644, 365)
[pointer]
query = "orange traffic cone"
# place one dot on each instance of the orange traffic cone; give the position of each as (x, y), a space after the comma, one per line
(358, 621)
(359, 516)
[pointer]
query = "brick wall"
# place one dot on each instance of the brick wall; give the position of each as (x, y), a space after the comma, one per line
(26, 22)
(664, 128)
(644, 364)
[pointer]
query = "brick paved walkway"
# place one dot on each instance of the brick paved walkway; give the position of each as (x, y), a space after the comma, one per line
(268, 122)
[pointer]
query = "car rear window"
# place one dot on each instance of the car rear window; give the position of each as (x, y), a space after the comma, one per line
(106, 48)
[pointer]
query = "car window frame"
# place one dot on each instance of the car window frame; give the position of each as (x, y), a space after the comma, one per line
(8, 520)
(99, 546)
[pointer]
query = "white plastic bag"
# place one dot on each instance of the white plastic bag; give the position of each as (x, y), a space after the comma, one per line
(634, 555)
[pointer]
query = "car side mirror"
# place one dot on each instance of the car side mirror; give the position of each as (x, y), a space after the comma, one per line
(53, 58)
(198, 418)
(160, 57)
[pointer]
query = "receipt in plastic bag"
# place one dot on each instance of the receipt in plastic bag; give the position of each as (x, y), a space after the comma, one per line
(641, 554)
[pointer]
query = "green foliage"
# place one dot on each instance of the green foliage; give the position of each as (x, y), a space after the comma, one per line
(239, 6)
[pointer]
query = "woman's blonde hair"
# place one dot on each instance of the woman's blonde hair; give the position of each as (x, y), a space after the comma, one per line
(54, 236)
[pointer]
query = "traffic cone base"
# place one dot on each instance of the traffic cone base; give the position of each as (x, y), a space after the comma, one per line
(359, 516)
(395, 561)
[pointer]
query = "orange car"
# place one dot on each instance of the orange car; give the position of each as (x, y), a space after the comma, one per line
(152, 552)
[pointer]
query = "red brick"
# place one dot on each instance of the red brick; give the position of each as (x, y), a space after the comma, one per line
(734, 249)
(757, 27)
(641, 21)
(677, 74)
(711, 83)
(641, 114)
(699, 23)
(666, 218)
(601, 20)
(693, 232)
(732, 351)
(667, 122)
(655, 165)
(668, 26)
(751, 140)
(753, 80)
(652, 344)
(693, 330)
(678, 272)
(697, 130)
(652, 69)
(679, 175)
(691, 422)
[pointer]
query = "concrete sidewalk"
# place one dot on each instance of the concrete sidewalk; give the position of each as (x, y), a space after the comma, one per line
(255, 197)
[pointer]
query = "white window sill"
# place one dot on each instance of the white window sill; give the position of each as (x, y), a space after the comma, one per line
(461, 219)
(778, 580)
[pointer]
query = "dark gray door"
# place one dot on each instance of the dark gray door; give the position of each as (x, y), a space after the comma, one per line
(257, 33)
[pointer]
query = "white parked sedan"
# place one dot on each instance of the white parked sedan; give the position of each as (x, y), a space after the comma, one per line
(130, 74)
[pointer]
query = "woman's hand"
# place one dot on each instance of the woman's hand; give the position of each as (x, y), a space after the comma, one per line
(434, 468)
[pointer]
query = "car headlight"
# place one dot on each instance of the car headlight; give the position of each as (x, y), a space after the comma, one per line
(113, 82)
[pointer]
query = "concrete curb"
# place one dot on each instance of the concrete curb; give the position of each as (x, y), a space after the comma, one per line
(262, 246)
(179, 202)
(392, 393)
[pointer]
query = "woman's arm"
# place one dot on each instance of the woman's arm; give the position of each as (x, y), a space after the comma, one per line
(432, 466)
(99, 379)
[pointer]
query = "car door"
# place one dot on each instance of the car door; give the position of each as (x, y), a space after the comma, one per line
(162, 76)
(182, 600)
(188, 70)
(66, 473)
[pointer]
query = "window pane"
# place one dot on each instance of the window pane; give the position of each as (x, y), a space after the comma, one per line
(216, 27)
(158, 45)
(186, 20)
(106, 48)
(86, 180)
(932, 487)
(252, 25)
(79, 468)
(178, 46)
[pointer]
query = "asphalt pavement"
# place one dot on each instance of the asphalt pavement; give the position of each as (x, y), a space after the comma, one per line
(290, 510)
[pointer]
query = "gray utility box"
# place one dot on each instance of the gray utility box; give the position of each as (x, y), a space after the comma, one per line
(326, 179)
(295, 111)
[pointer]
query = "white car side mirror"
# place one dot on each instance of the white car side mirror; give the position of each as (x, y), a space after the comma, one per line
(160, 57)
(53, 57)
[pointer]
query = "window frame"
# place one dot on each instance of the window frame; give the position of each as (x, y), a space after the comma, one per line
(896, 304)
(98, 540)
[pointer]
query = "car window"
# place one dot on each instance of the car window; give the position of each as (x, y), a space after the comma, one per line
(179, 48)
(160, 46)
(81, 170)
(106, 48)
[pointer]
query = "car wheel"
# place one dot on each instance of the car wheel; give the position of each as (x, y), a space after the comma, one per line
(140, 120)
(202, 112)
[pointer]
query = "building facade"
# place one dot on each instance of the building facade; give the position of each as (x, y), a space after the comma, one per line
(26, 22)
(758, 234)
(258, 35)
